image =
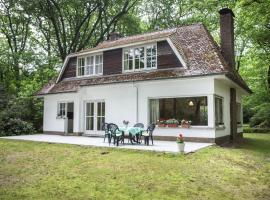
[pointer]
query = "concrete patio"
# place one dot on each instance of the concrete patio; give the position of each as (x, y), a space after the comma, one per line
(159, 146)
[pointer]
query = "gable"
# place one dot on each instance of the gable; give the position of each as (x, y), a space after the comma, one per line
(166, 57)
(70, 69)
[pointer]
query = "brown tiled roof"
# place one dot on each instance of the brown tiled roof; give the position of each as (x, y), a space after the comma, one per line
(195, 45)
(131, 39)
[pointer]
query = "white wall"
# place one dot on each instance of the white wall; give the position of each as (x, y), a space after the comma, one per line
(50, 120)
(223, 89)
(120, 102)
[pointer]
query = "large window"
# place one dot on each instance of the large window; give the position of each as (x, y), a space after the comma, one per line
(192, 109)
(219, 111)
(140, 58)
(90, 65)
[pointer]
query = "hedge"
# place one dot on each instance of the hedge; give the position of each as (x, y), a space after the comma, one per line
(256, 130)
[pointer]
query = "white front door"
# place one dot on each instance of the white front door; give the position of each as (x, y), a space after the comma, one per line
(94, 117)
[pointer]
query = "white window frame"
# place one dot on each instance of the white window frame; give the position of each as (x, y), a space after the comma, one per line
(94, 65)
(133, 61)
(58, 109)
(222, 101)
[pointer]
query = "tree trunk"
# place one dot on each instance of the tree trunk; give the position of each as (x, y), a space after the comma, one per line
(268, 78)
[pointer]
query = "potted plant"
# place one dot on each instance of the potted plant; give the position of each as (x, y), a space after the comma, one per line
(180, 143)
(161, 123)
(172, 123)
(126, 122)
(185, 123)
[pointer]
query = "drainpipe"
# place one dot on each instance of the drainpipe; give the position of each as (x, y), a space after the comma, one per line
(137, 104)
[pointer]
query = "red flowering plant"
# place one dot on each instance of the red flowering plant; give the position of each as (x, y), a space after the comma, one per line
(180, 139)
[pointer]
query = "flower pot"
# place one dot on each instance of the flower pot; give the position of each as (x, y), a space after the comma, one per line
(172, 125)
(181, 147)
(185, 126)
(161, 125)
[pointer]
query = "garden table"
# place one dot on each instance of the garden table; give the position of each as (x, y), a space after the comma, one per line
(132, 132)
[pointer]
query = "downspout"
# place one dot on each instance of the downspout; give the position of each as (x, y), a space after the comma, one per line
(137, 99)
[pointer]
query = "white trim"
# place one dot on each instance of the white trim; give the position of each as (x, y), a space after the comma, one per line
(179, 97)
(95, 116)
(85, 65)
(58, 108)
(177, 53)
(63, 68)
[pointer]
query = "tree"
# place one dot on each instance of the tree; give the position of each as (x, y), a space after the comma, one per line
(14, 24)
(75, 25)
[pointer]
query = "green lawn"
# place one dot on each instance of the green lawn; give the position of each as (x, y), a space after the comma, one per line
(32, 170)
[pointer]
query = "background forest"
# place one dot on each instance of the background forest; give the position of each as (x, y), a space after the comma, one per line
(36, 36)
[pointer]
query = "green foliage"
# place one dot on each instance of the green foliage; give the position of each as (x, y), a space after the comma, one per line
(261, 118)
(256, 130)
(15, 126)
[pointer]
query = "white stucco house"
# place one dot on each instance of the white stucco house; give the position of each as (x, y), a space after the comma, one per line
(178, 73)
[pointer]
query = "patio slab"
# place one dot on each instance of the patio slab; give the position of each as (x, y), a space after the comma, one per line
(160, 146)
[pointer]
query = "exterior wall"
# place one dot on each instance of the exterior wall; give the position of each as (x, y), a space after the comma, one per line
(112, 62)
(121, 104)
(129, 101)
(223, 90)
(50, 121)
(70, 70)
(166, 58)
(178, 88)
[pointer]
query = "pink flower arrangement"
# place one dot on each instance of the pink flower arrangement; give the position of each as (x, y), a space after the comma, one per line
(180, 138)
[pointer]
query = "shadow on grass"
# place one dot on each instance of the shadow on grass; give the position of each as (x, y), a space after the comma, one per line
(256, 142)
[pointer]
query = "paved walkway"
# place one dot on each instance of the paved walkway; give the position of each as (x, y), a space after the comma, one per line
(161, 146)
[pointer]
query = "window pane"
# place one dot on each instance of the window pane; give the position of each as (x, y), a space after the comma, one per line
(89, 109)
(103, 108)
(81, 64)
(130, 64)
(89, 123)
(61, 109)
(137, 63)
(218, 110)
(126, 65)
(99, 108)
(90, 60)
(148, 65)
(91, 70)
(192, 109)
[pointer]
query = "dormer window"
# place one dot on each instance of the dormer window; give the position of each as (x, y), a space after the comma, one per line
(90, 65)
(140, 58)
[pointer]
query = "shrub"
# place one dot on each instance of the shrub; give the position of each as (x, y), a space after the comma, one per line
(261, 119)
(256, 130)
(16, 118)
(14, 126)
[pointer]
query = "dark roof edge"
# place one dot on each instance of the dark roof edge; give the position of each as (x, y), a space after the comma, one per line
(242, 85)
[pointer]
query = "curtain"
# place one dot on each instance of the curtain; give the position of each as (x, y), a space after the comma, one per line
(154, 110)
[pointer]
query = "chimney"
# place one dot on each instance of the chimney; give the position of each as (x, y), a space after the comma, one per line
(227, 36)
(114, 36)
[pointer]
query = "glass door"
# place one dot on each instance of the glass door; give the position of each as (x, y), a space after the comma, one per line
(89, 116)
(94, 116)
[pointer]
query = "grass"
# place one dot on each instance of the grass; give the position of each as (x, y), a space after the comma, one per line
(32, 170)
